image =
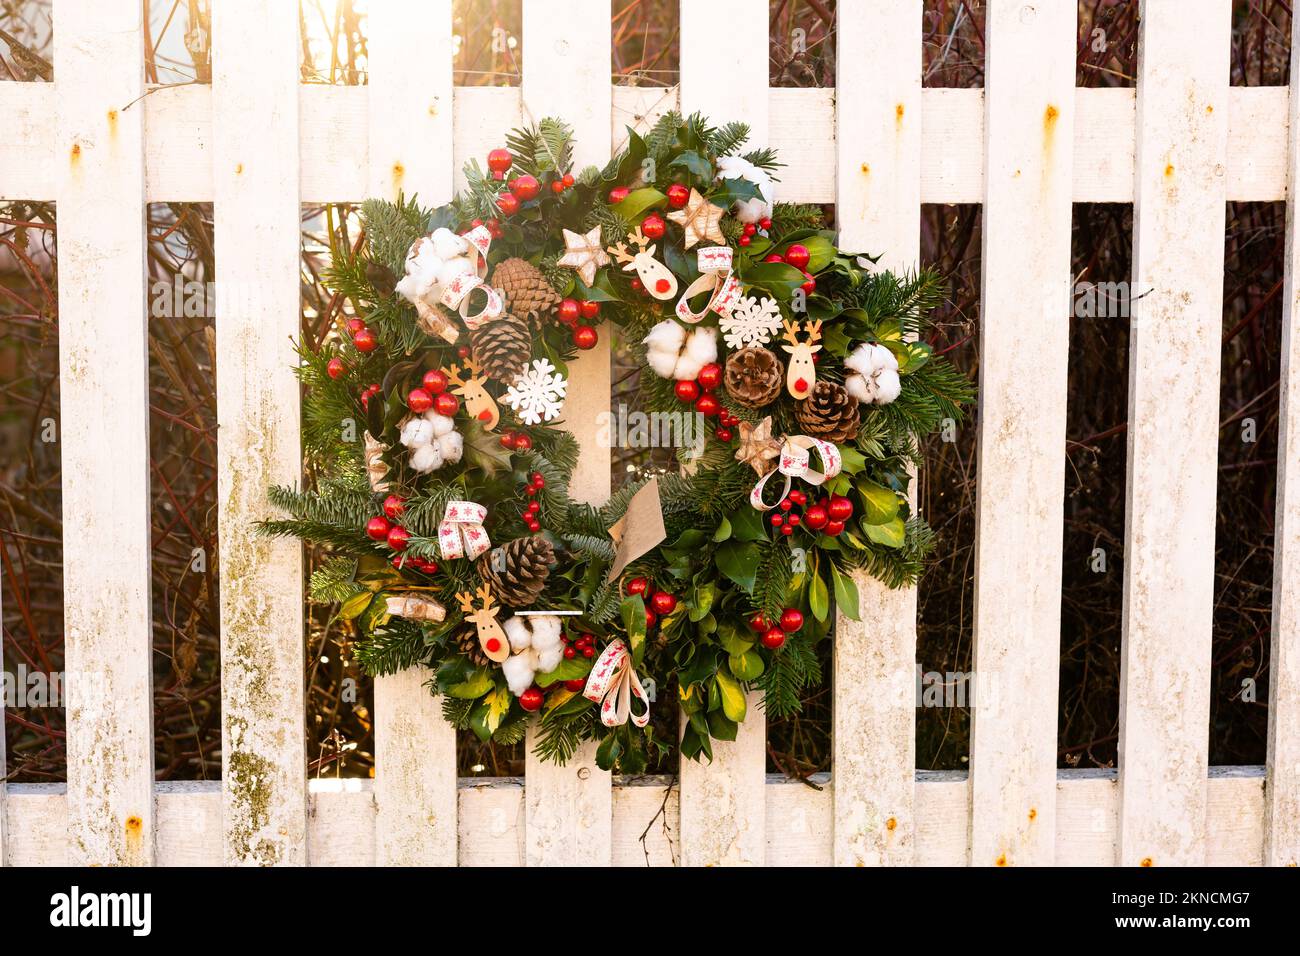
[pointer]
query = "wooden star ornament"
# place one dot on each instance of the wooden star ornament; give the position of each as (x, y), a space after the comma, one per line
(700, 219)
(758, 448)
(584, 254)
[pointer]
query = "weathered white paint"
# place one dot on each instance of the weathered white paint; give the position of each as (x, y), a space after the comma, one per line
(723, 802)
(567, 74)
(879, 212)
(103, 364)
(797, 831)
(409, 47)
(1282, 795)
(1174, 351)
(255, 179)
(1024, 311)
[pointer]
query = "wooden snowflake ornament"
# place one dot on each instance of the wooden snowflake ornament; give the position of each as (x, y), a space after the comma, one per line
(751, 322)
(538, 394)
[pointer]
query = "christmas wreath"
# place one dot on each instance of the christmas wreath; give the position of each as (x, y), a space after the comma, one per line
(453, 541)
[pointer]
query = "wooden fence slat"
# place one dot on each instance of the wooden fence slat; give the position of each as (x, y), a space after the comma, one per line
(409, 48)
(1024, 309)
(257, 243)
(723, 803)
(103, 381)
(567, 74)
(1282, 794)
(878, 209)
(1174, 359)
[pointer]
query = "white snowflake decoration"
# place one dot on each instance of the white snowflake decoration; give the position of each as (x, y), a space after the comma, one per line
(751, 322)
(537, 394)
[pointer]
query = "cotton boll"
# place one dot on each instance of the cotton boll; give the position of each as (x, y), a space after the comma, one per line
(441, 424)
(448, 245)
(416, 432)
(549, 659)
(546, 633)
(520, 669)
(883, 358)
(888, 386)
(521, 638)
(701, 349)
(452, 446)
(426, 458)
(859, 387)
(663, 345)
(453, 269)
(859, 360)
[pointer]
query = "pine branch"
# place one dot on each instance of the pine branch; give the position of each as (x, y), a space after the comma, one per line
(792, 669)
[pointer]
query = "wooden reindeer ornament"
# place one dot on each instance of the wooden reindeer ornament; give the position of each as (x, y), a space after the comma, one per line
(801, 371)
(480, 405)
(491, 637)
(657, 278)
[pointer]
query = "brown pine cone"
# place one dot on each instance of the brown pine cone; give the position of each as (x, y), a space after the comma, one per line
(753, 376)
(830, 413)
(467, 643)
(525, 289)
(502, 347)
(517, 570)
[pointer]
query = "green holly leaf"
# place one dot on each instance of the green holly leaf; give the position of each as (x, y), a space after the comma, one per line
(476, 685)
(746, 666)
(879, 504)
(846, 594)
(739, 563)
(891, 534)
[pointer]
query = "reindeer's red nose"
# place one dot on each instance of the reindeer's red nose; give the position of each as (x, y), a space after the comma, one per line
(662, 285)
(485, 416)
(800, 385)
(493, 645)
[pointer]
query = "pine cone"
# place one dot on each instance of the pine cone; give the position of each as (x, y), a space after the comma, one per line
(753, 376)
(502, 347)
(467, 643)
(830, 413)
(526, 291)
(517, 570)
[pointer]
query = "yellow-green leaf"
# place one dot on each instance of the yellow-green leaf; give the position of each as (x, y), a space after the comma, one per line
(891, 534)
(732, 694)
(498, 705)
(355, 605)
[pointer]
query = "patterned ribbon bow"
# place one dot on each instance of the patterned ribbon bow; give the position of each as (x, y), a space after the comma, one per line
(794, 463)
(456, 293)
(717, 279)
(461, 532)
(613, 683)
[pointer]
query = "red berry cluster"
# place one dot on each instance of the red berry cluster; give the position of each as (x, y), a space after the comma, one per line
(380, 528)
(433, 393)
(700, 391)
(571, 311)
(522, 188)
(798, 256)
(771, 635)
(367, 392)
(658, 603)
(536, 482)
(363, 338)
(826, 515)
(751, 229)
(493, 226)
(583, 644)
(515, 441)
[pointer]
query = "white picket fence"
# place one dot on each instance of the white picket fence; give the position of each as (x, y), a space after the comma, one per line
(1029, 144)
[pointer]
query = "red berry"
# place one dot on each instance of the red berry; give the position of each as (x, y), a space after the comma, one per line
(663, 603)
(809, 286)
(568, 180)
(525, 188)
(637, 586)
(797, 256)
(799, 498)
(786, 504)
(570, 653)
(773, 638)
(393, 507)
(590, 651)
(723, 434)
(398, 537)
(653, 226)
(508, 203)
(834, 528)
(576, 685)
(365, 341)
(618, 194)
(840, 508)
(507, 439)
(532, 699)
(397, 561)
(428, 567)
(686, 390)
(650, 618)
(678, 195)
(707, 405)
(419, 401)
(744, 240)
(377, 528)
(473, 224)
(710, 376)
(794, 520)
(435, 381)
(788, 529)
(791, 620)
(750, 229)
(816, 517)
(446, 404)
(589, 309)
(355, 326)
(776, 520)
(523, 442)
(585, 337)
(773, 257)
(499, 160)
(335, 368)
(758, 623)
(463, 351)
(534, 507)
(765, 224)
(636, 285)
(569, 310)
(557, 187)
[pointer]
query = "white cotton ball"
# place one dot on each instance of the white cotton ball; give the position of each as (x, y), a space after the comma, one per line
(701, 349)
(663, 345)
(416, 432)
(422, 266)
(520, 670)
(883, 358)
(521, 638)
(447, 244)
(441, 424)
(888, 386)
(426, 458)
(662, 362)
(549, 659)
(546, 633)
(453, 269)
(452, 446)
(859, 360)
(858, 387)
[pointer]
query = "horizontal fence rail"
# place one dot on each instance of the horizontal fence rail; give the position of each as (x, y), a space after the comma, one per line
(258, 144)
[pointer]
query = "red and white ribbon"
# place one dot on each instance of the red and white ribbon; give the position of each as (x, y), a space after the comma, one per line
(717, 279)
(613, 683)
(461, 532)
(795, 463)
(456, 293)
